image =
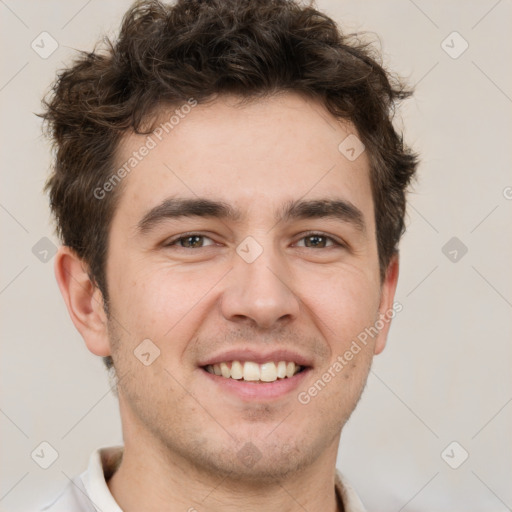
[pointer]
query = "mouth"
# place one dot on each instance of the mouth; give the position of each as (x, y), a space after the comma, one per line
(256, 378)
(251, 371)
(251, 375)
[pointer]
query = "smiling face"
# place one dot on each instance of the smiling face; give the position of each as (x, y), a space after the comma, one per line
(243, 245)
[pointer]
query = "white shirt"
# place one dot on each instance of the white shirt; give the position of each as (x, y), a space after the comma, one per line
(89, 491)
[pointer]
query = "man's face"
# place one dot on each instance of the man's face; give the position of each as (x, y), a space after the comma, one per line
(256, 287)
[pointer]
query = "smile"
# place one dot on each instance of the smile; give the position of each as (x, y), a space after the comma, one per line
(254, 372)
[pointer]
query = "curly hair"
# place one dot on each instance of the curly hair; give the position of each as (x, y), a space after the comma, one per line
(166, 54)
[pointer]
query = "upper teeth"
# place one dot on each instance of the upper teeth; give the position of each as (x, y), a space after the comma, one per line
(248, 370)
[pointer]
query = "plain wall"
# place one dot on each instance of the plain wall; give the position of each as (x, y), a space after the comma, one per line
(445, 374)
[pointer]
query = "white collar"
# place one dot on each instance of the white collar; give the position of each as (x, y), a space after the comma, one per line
(101, 462)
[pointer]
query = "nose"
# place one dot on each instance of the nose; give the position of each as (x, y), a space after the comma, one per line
(260, 292)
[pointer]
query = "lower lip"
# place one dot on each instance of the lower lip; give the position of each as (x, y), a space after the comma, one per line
(263, 391)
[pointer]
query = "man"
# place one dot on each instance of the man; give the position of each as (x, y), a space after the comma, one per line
(230, 193)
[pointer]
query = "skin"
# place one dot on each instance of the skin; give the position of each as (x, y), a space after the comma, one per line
(182, 434)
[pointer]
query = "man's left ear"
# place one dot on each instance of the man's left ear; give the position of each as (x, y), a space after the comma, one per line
(386, 309)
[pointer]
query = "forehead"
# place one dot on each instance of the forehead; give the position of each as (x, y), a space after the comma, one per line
(255, 155)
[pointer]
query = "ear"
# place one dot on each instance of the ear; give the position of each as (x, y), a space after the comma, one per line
(83, 299)
(387, 309)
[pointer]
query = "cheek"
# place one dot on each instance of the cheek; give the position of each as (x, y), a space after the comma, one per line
(345, 304)
(162, 301)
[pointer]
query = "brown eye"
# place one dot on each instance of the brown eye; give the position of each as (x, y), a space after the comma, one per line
(193, 241)
(315, 241)
(318, 241)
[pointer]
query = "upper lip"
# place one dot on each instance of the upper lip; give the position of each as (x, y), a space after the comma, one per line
(257, 356)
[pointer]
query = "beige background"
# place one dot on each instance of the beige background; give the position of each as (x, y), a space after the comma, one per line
(445, 375)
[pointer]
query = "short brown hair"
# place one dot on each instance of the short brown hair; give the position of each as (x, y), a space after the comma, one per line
(167, 54)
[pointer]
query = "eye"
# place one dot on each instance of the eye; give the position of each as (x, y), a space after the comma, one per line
(319, 241)
(198, 241)
(190, 241)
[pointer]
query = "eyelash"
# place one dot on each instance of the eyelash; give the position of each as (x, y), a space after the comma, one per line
(335, 242)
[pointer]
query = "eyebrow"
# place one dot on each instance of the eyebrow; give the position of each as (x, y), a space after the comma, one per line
(174, 208)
